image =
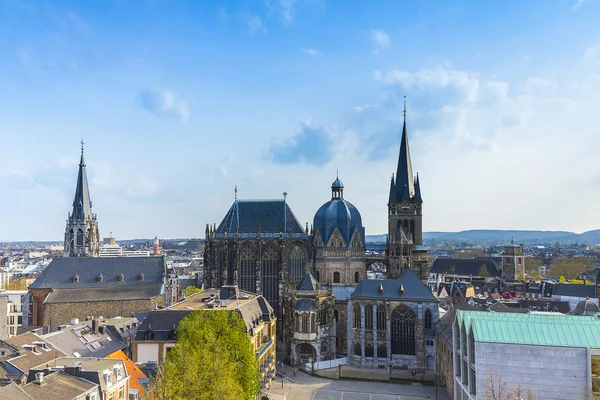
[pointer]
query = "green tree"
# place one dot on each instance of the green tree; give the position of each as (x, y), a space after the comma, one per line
(532, 265)
(212, 360)
(483, 271)
(571, 267)
(190, 290)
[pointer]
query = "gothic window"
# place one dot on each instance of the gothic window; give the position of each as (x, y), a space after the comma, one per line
(323, 315)
(356, 277)
(381, 322)
(305, 328)
(403, 331)
(427, 318)
(247, 268)
(356, 315)
(336, 277)
(270, 275)
(369, 316)
(317, 276)
(297, 322)
(79, 237)
(369, 350)
(297, 264)
(382, 351)
(412, 228)
(357, 350)
(313, 325)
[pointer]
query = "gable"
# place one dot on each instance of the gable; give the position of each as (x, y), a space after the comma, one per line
(356, 240)
(336, 239)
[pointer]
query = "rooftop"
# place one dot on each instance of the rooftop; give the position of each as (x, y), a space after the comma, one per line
(407, 287)
(532, 329)
(56, 386)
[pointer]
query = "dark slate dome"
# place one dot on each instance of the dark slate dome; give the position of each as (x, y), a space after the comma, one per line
(587, 307)
(339, 213)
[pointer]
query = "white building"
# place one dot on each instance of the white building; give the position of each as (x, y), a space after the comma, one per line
(554, 356)
(11, 312)
(114, 250)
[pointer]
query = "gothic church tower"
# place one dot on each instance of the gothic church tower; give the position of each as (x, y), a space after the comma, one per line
(82, 238)
(405, 217)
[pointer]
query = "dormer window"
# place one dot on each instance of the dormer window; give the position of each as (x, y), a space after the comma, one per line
(120, 277)
(76, 278)
(149, 334)
(99, 278)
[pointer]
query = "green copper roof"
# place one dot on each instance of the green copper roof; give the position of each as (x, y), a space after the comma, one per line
(533, 329)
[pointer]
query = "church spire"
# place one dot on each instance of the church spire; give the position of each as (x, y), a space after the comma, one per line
(404, 174)
(418, 198)
(82, 204)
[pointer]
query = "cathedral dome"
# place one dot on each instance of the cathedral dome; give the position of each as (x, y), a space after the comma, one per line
(338, 213)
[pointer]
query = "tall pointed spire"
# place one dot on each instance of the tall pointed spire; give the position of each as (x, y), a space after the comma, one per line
(418, 198)
(82, 204)
(404, 174)
(392, 192)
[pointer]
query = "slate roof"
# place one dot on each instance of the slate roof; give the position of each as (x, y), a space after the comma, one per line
(102, 294)
(566, 289)
(342, 292)
(541, 305)
(532, 329)
(82, 203)
(27, 358)
(253, 313)
(59, 274)
(404, 187)
(465, 267)
(81, 341)
(273, 216)
(161, 322)
(308, 284)
(305, 305)
(59, 386)
(414, 289)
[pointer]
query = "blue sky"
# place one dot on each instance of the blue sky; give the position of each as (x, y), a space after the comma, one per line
(180, 101)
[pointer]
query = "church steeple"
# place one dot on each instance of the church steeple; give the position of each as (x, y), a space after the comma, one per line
(404, 174)
(82, 237)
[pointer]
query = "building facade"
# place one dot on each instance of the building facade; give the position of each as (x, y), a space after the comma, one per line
(309, 326)
(260, 246)
(392, 323)
(338, 238)
(405, 217)
(82, 238)
(513, 262)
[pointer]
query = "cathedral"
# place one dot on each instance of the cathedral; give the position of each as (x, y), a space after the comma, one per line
(316, 279)
(82, 238)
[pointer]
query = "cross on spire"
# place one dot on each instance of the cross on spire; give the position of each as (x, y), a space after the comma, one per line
(81, 145)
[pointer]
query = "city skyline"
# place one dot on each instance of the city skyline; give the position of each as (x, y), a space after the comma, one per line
(188, 100)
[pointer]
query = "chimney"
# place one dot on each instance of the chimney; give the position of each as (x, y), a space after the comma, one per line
(73, 369)
(95, 325)
(39, 378)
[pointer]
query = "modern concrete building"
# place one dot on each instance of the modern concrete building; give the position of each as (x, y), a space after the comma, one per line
(11, 313)
(552, 355)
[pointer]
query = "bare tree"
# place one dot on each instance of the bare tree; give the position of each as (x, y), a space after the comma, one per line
(524, 394)
(495, 387)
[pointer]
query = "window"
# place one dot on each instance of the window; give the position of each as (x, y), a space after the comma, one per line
(79, 237)
(471, 347)
(369, 350)
(403, 331)
(457, 339)
(357, 350)
(323, 314)
(317, 277)
(336, 277)
(369, 316)
(297, 318)
(356, 277)
(335, 315)
(111, 396)
(428, 318)
(596, 374)
(122, 392)
(313, 325)
(382, 351)
(381, 322)
(305, 327)
(356, 315)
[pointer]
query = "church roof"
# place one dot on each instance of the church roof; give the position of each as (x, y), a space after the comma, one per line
(82, 203)
(305, 305)
(408, 287)
(309, 283)
(136, 271)
(273, 216)
(465, 266)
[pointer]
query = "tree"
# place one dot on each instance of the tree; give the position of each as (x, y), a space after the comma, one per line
(483, 271)
(496, 388)
(571, 267)
(532, 265)
(16, 284)
(562, 279)
(190, 290)
(212, 360)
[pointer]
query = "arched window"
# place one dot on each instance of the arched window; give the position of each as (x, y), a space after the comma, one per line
(297, 318)
(382, 351)
(317, 277)
(313, 325)
(356, 277)
(356, 316)
(336, 277)
(297, 264)
(369, 350)
(381, 322)
(369, 316)
(305, 328)
(427, 319)
(357, 350)
(79, 237)
(403, 331)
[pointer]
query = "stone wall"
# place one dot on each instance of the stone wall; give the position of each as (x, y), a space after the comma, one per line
(444, 366)
(63, 313)
(551, 372)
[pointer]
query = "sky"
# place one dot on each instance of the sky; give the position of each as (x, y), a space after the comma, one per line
(180, 101)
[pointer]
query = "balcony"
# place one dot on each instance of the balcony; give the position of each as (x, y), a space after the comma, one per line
(305, 336)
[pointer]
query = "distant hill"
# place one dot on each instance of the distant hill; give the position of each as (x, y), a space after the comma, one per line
(505, 236)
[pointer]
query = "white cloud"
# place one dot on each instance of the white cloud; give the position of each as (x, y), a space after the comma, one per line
(380, 39)
(311, 52)
(163, 103)
(255, 24)
(577, 4)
